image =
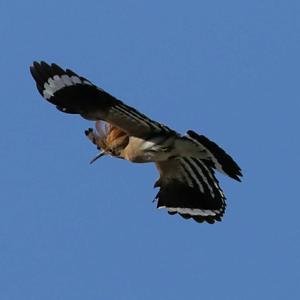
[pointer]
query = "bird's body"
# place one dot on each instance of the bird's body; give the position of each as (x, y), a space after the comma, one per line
(139, 150)
(186, 163)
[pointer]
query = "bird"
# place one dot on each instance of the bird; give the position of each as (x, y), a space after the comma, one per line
(186, 163)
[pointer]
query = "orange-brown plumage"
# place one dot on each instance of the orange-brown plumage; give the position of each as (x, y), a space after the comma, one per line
(108, 137)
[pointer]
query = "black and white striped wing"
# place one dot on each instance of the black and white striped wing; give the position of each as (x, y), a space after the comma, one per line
(188, 187)
(75, 94)
(216, 156)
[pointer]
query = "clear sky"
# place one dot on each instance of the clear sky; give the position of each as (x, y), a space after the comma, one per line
(226, 69)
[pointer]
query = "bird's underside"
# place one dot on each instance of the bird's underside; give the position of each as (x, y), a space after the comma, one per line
(187, 182)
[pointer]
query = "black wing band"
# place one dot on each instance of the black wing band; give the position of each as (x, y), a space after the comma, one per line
(218, 157)
(190, 188)
(75, 94)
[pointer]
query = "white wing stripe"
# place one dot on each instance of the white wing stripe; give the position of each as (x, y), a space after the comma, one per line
(212, 178)
(186, 175)
(76, 80)
(67, 80)
(59, 82)
(204, 178)
(218, 166)
(193, 211)
(192, 175)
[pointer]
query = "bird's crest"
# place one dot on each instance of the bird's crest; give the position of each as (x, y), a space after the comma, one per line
(107, 136)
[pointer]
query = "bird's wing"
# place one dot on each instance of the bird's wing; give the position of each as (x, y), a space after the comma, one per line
(75, 94)
(217, 158)
(188, 187)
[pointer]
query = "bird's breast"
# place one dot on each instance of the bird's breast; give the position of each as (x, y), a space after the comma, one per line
(141, 151)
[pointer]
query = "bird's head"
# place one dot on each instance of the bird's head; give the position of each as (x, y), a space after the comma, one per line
(109, 139)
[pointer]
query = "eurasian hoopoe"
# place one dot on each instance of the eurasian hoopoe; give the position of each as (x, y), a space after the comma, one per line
(186, 164)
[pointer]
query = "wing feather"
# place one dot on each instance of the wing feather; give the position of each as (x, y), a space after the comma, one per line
(75, 94)
(189, 187)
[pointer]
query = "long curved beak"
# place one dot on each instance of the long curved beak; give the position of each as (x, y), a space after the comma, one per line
(98, 156)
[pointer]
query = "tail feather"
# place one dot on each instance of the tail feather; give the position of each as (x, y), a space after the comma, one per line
(217, 156)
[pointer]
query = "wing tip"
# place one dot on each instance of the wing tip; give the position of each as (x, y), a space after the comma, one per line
(226, 163)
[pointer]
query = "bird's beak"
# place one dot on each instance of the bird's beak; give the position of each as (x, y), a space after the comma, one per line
(98, 156)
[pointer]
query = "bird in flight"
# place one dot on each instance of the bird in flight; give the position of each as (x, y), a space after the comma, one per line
(186, 163)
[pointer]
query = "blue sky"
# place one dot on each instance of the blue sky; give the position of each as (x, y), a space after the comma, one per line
(227, 69)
